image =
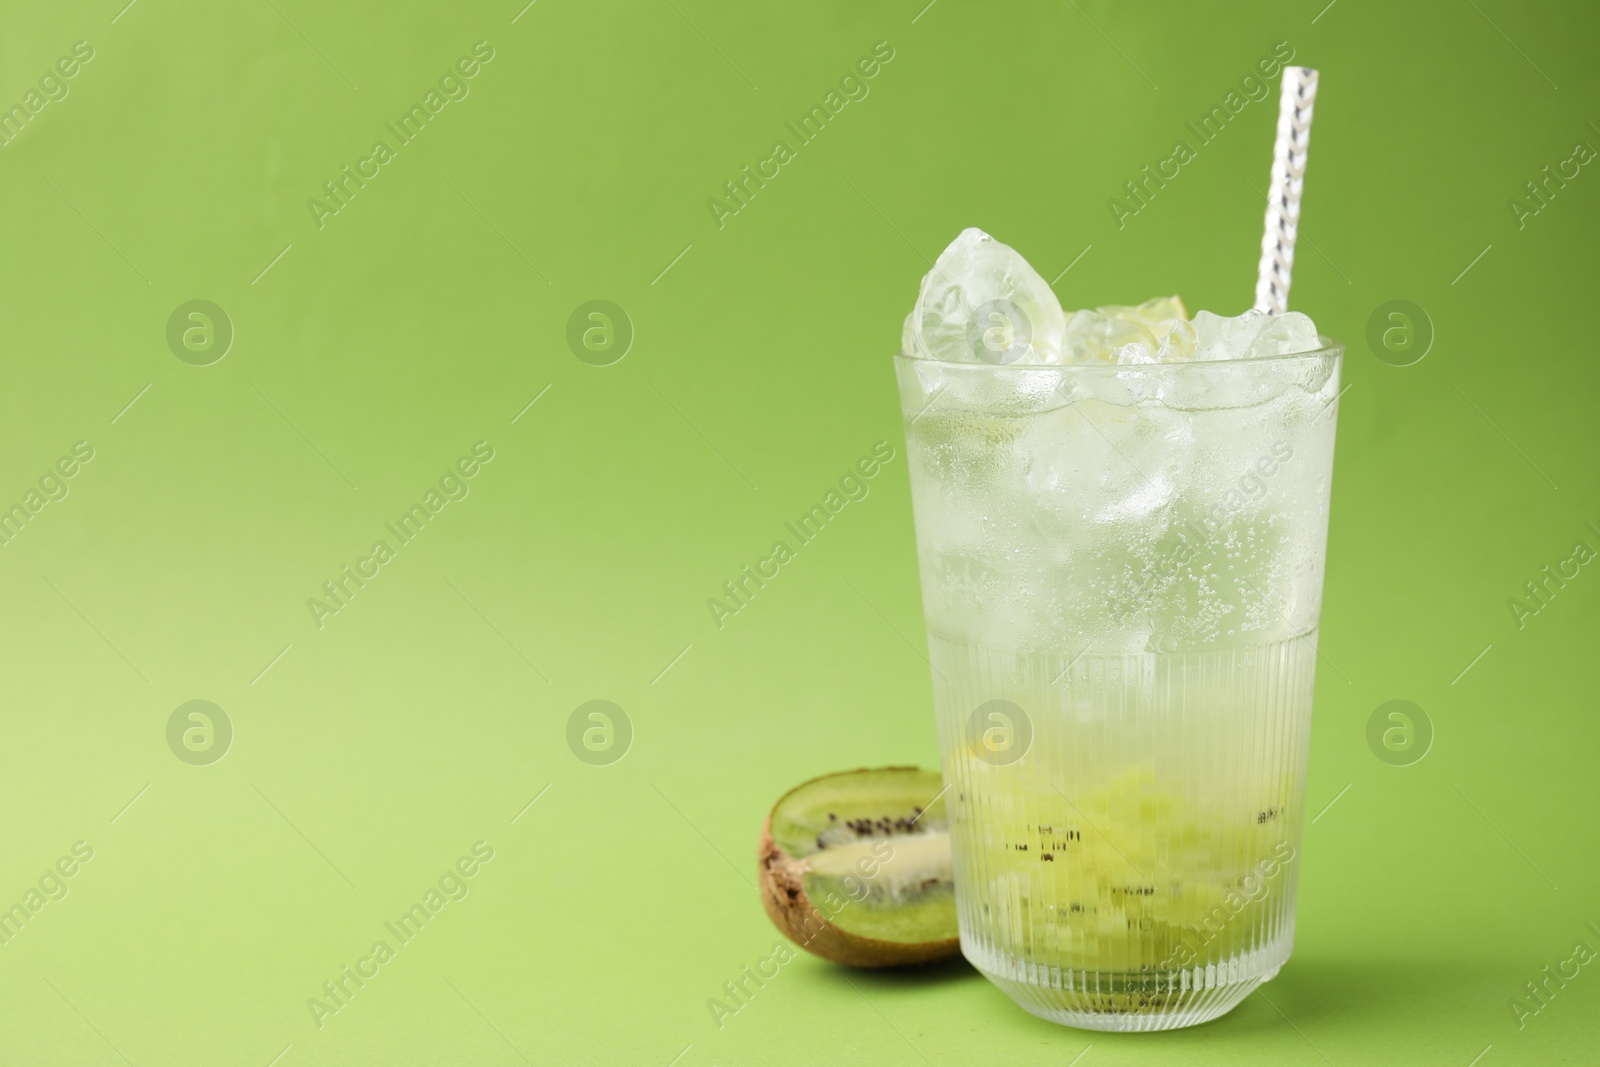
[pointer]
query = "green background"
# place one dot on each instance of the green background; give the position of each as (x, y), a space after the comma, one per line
(371, 753)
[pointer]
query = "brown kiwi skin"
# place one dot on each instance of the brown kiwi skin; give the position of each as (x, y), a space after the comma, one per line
(783, 894)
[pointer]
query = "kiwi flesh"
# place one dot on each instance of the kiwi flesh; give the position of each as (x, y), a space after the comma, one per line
(856, 868)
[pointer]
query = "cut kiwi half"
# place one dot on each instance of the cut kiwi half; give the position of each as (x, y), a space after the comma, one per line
(855, 867)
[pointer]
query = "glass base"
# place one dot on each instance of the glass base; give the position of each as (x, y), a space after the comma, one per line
(1134, 1002)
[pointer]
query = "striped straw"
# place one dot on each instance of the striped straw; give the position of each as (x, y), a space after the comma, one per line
(1288, 182)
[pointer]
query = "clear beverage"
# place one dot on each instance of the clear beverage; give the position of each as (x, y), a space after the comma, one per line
(1122, 574)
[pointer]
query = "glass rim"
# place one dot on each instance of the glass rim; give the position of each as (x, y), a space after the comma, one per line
(1329, 347)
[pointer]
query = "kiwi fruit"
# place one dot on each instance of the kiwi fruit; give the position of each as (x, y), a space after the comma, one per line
(856, 868)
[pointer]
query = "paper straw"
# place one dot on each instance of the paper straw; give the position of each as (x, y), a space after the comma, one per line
(1288, 182)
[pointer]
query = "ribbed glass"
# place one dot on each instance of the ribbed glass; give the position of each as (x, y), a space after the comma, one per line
(1122, 576)
(1136, 870)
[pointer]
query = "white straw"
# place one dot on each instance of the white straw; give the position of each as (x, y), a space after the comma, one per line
(1288, 182)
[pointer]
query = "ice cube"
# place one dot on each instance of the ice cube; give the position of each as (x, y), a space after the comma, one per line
(1253, 335)
(983, 303)
(1177, 342)
(1096, 463)
(1093, 337)
(1285, 335)
(1152, 312)
(1220, 337)
(1155, 331)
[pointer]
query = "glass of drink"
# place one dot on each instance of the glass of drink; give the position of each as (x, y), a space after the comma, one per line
(1121, 562)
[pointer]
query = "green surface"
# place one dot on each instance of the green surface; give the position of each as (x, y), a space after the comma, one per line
(423, 716)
